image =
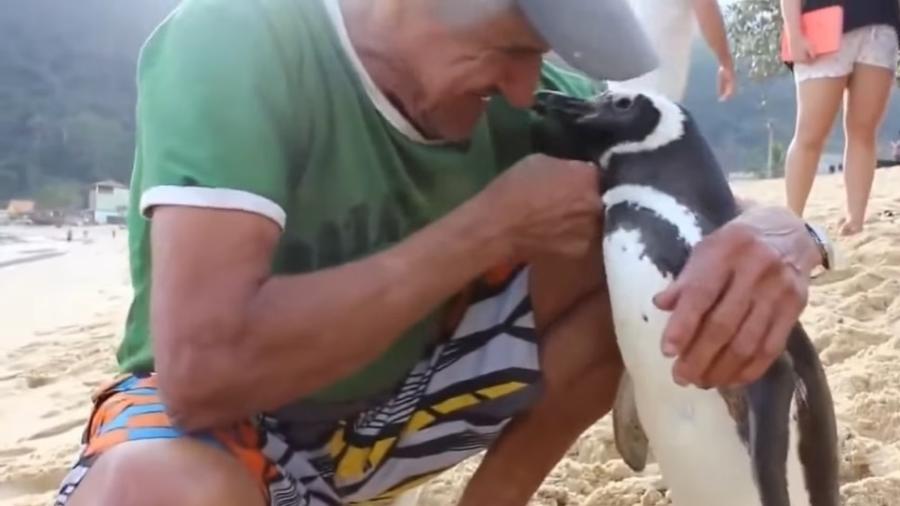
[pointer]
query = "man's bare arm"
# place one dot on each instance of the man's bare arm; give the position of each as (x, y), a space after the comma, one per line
(231, 339)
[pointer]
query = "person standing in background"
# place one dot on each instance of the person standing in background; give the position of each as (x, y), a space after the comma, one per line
(895, 148)
(671, 25)
(861, 74)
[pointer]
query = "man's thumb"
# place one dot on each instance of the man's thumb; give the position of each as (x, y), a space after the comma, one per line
(666, 299)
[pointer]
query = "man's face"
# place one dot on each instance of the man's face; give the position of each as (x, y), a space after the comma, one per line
(463, 67)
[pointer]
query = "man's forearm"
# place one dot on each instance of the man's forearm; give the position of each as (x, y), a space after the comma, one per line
(709, 17)
(303, 332)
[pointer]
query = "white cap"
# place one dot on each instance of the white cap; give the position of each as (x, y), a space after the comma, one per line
(602, 38)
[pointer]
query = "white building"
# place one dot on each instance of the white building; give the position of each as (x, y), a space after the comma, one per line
(108, 201)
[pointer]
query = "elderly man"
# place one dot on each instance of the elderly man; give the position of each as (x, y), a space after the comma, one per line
(351, 272)
(671, 25)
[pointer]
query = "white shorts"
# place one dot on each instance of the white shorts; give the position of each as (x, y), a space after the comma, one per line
(872, 45)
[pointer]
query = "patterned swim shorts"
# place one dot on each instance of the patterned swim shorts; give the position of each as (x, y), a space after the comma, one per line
(451, 406)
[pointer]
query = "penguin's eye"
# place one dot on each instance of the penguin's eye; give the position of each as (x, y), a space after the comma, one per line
(623, 103)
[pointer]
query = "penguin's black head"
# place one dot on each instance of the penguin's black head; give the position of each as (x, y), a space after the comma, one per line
(613, 122)
(637, 138)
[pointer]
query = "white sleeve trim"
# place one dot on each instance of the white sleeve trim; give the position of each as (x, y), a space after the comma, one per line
(215, 198)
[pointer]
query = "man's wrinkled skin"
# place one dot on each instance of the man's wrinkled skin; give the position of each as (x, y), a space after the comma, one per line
(231, 346)
(736, 300)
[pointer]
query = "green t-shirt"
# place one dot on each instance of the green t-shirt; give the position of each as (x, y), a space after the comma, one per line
(261, 105)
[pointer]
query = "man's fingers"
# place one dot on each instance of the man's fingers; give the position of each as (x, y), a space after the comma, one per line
(741, 350)
(714, 334)
(721, 327)
(698, 288)
(691, 306)
(694, 302)
(782, 320)
(666, 299)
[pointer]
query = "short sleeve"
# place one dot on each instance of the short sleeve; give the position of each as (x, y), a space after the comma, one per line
(215, 122)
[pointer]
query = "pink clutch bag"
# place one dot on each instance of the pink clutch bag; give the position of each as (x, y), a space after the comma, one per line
(823, 29)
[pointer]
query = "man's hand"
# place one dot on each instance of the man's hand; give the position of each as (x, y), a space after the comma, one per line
(546, 205)
(735, 302)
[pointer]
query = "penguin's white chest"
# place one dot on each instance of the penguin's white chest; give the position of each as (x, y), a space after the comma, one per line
(691, 434)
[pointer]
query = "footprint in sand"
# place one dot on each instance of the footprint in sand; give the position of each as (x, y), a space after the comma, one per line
(90, 327)
(830, 278)
(16, 452)
(57, 429)
(861, 283)
(866, 306)
(47, 481)
(51, 414)
(848, 341)
(66, 328)
(891, 257)
(37, 381)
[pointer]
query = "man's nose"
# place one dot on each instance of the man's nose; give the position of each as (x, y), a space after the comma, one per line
(520, 82)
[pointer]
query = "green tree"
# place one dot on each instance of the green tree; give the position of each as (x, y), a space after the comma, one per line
(61, 195)
(754, 28)
(778, 153)
(99, 145)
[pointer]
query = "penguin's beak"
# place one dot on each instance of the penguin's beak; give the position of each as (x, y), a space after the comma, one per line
(550, 103)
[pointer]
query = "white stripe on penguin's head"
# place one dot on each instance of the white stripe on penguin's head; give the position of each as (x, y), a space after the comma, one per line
(668, 129)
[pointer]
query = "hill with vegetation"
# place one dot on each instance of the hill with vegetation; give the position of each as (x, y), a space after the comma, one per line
(67, 94)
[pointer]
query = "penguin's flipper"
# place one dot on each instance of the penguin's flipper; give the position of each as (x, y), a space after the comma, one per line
(769, 420)
(818, 445)
(631, 441)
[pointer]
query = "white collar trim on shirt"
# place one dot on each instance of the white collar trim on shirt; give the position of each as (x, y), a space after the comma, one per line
(379, 100)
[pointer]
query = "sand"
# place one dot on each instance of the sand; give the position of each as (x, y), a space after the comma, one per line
(62, 316)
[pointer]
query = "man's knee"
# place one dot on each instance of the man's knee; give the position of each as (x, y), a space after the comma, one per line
(183, 472)
(558, 284)
(582, 351)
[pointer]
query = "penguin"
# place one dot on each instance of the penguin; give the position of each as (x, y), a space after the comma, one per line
(769, 443)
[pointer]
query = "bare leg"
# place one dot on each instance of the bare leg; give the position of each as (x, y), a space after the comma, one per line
(818, 101)
(183, 472)
(867, 97)
(582, 367)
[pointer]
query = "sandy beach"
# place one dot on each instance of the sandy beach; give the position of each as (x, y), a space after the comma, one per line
(62, 307)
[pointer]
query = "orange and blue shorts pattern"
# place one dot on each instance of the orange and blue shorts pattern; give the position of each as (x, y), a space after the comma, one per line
(129, 409)
(451, 406)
